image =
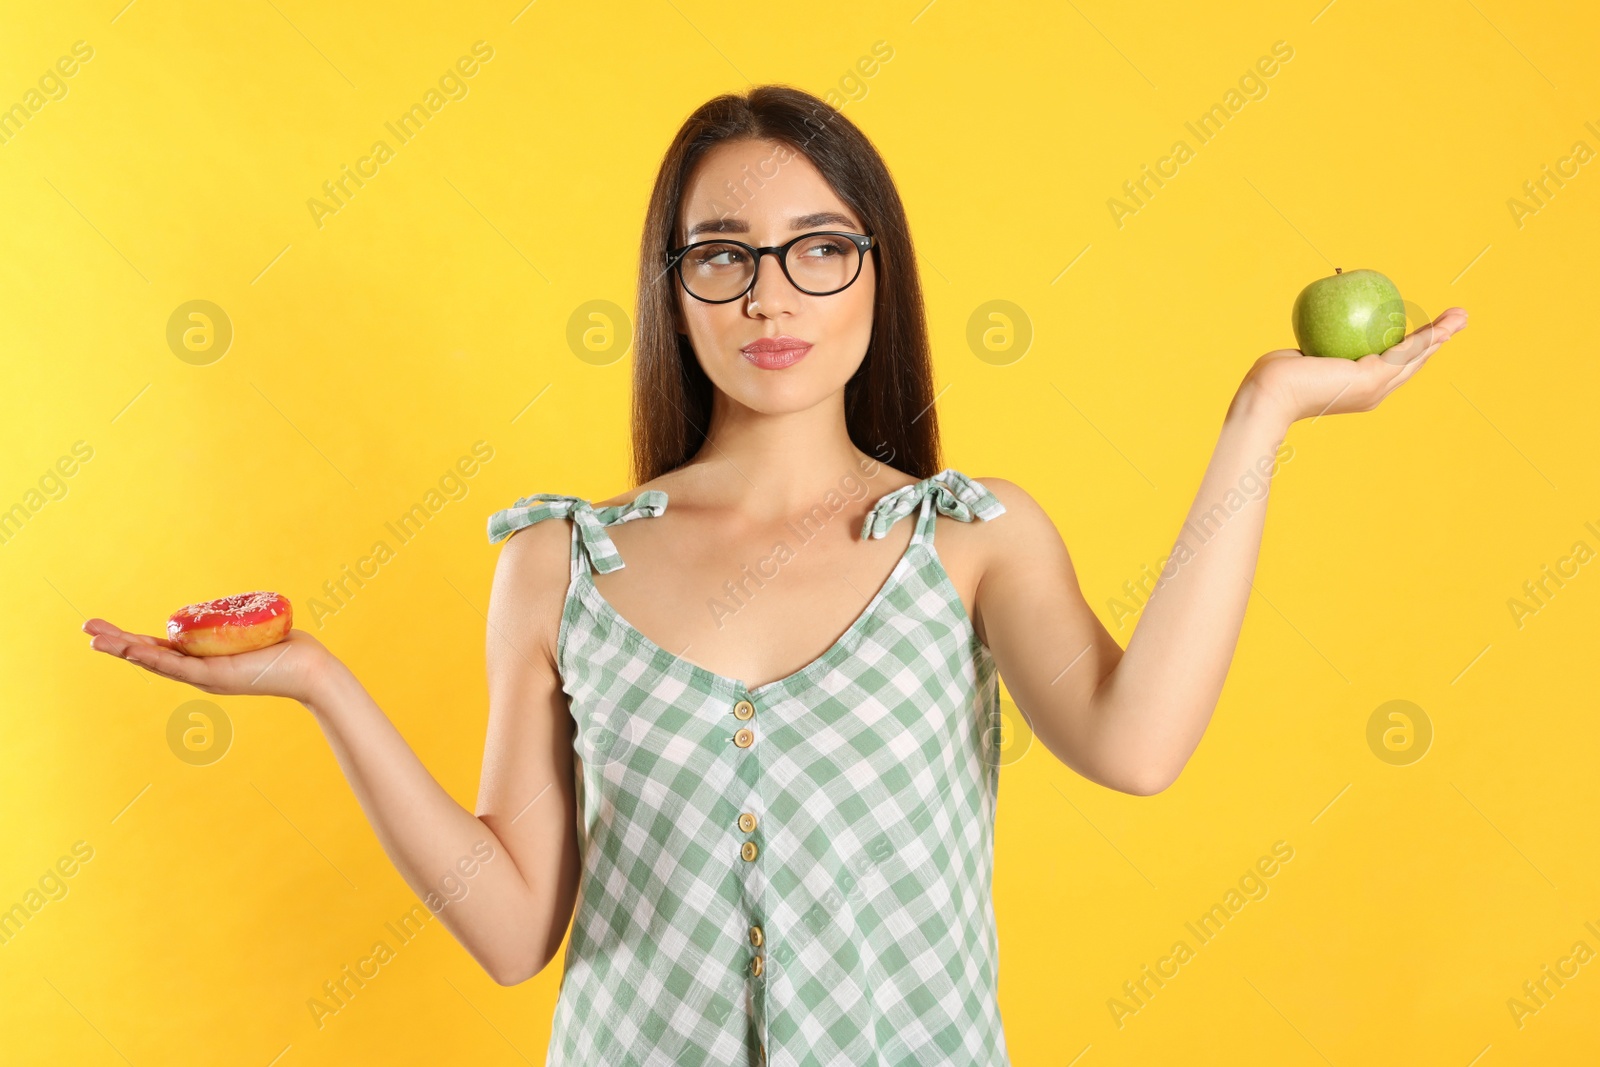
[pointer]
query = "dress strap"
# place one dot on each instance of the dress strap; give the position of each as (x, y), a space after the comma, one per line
(590, 542)
(949, 492)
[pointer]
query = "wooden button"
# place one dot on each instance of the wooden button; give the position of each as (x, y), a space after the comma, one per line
(755, 936)
(748, 850)
(744, 709)
(744, 738)
(755, 966)
(747, 822)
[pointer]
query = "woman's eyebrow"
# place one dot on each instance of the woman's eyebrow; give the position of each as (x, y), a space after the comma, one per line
(729, 224)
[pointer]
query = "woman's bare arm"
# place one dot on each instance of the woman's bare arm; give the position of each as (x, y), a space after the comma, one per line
(1131, 719)
(527, 793)
(503, 881)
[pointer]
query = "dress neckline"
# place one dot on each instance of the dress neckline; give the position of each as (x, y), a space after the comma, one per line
(947, 492)
(802, 676)
(798, 680)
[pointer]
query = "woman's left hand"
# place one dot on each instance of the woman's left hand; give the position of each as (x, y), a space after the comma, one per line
(1297, 386)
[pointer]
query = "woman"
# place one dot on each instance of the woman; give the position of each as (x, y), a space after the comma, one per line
(782, 830)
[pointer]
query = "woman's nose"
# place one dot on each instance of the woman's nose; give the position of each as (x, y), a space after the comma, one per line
(772, 291)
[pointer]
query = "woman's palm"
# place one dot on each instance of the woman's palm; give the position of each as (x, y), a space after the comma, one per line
(1306, 386)
(285, 669)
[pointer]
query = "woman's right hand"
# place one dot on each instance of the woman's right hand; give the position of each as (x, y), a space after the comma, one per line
(294, 667)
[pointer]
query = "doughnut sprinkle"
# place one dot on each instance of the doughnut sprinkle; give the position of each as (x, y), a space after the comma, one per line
(261, 604)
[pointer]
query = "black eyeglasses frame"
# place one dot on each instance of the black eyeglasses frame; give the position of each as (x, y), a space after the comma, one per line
(863, 243)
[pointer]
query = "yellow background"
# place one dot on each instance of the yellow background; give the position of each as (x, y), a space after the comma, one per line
(370, 354)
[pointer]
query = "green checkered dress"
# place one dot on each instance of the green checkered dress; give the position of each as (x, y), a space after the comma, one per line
(797, 874)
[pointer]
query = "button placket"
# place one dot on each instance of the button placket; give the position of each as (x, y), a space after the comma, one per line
(744, 711)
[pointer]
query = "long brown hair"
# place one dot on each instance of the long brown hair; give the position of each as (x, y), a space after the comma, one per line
(889, 401)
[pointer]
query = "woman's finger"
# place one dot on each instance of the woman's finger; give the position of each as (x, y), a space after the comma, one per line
(175, 665)
(1436, 333)
(1404, 376)
(147, 667)
(120, 644)
(1410, 348)
(102, 628)
(1425, 340)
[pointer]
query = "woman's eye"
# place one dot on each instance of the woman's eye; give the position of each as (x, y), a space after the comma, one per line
(718, 257)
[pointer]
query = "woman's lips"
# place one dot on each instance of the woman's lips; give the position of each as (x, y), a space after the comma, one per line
(776, 353)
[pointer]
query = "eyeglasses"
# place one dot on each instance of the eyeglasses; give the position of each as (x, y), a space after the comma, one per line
(817, 264)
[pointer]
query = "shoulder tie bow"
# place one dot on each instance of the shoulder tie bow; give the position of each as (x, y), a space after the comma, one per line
(590, 520)
(954, 494)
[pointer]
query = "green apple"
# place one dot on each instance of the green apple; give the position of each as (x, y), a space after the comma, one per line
(1348, 315)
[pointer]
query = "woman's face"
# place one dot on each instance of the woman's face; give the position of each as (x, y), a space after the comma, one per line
(764, 193)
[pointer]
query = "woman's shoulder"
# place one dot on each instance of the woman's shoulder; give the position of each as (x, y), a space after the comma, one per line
(1022, 526)
(1008, 491)
(1025, 534)
(528, 593)
(1020, 506)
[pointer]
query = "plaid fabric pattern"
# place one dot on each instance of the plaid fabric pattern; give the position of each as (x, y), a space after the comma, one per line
(807, 884)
